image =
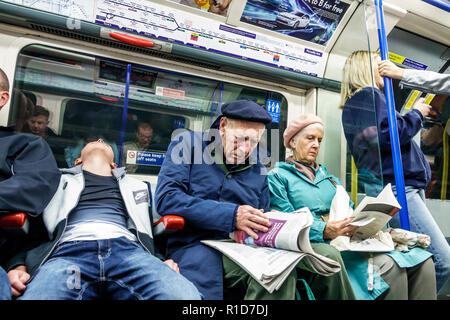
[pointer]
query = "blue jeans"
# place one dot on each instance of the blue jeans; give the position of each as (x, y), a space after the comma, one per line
(5, 288)
(421, 221)
(116, 269)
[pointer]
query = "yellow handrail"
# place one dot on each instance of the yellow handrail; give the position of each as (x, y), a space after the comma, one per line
(354, 186)
(445, 164)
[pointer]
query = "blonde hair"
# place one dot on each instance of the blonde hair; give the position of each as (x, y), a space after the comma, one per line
(357, 74)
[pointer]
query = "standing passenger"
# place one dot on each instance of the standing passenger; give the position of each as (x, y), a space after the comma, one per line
(364, 106)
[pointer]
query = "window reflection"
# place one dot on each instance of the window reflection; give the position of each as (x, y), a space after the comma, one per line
(71, 99)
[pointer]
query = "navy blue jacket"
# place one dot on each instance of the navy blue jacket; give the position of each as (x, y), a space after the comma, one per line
(207, 196)
(366, 110)
(29, 178)
(29, 175)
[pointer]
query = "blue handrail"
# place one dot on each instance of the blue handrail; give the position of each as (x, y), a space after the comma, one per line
(393, 131)
(440, 4)
(124, 116)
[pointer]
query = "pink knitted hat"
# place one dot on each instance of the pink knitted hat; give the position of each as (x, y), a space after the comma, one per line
(298, 124)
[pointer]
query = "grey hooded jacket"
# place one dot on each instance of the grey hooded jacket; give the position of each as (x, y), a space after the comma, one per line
(428, 81)
(137, 202)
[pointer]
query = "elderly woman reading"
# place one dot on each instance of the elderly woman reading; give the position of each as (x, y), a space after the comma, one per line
(302, 182)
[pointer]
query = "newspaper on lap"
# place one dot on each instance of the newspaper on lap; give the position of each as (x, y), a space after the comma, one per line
(275, 253)
(371, 215)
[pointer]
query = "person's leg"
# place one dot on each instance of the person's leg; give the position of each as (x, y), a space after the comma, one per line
(422, 221)
(334, 287)
(238, 279)
(422, 281)
(133, 273)
(71, 273)
(5, 288)
(393, 275)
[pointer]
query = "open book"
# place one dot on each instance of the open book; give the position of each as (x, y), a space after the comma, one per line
(275, 253)
(371, 215)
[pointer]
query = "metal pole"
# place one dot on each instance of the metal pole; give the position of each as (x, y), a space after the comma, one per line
(393, 131)
(124, 115)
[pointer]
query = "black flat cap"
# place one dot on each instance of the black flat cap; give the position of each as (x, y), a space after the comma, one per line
(243, 110)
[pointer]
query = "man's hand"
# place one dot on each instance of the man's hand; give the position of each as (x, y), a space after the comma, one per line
(388, 69)
(249, 219)
(17, 278)
(334, 229)
(422, 107)
(173, 265)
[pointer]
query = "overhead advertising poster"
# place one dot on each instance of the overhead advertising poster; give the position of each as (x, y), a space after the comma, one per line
(310, 20)
(219, 7)
(178, 26)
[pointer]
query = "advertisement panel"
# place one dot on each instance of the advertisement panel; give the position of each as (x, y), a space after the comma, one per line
(310, 20)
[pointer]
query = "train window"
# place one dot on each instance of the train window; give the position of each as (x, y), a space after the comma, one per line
(81, 98)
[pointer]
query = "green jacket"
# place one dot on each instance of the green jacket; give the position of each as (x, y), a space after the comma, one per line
(291, 190)
(286, 184)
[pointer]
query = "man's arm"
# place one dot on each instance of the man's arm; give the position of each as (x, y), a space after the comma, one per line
(30, 173)
(172, 195)
(429, 81)
(416, 79)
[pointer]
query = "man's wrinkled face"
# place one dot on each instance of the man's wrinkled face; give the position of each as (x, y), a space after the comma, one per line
(38, 124)
(239, 138)
(306, 144)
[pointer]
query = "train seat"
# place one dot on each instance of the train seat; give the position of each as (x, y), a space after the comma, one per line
(17, 222)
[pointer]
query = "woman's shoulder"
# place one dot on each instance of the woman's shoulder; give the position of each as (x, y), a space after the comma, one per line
(364, 99)
(327, 175)
(367, 92)
(281, 169)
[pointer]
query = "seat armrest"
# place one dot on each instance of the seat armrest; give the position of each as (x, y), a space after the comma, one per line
(14, 222)
(168, 224)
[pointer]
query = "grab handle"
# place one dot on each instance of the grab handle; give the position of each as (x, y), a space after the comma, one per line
(131, 39)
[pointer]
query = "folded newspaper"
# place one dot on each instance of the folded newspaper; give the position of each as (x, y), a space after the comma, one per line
(371, 215)
(275, 253)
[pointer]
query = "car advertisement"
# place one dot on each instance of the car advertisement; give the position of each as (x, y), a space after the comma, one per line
(310, 20)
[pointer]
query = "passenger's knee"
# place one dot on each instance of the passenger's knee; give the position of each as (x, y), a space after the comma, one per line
(185, 292)
(327, 251)
(181, 289)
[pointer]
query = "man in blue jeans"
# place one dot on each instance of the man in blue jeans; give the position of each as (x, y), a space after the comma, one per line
(5, 290)
(101, 240)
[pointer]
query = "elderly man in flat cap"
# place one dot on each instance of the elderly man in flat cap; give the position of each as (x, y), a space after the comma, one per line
(214, 180)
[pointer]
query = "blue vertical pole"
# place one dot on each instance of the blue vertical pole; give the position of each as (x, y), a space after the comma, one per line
(124, 115)
(393, 131)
